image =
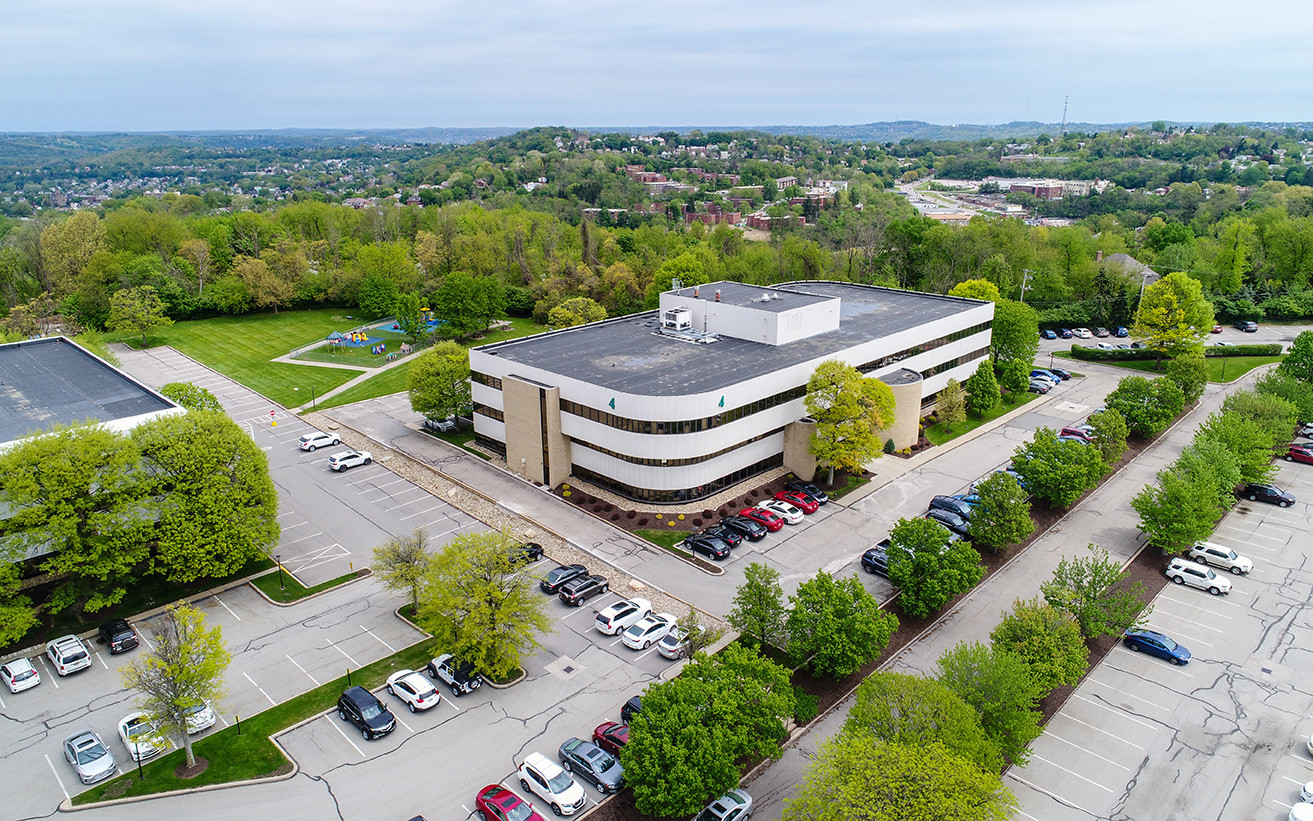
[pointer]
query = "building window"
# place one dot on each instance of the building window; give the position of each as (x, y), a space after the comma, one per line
(643, 494)
(692, 460)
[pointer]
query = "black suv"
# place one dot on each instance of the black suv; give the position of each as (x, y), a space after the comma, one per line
(1271, 494)
(809, 488)
(582, 588)
(876, 559)
(119, 635)
(950, 520)
(458, 675)
(952, 505)
(716, 549)
(525, 553)
(751, 530)
(631, 708)
(551, 583)
(363, 709)
(728, 535)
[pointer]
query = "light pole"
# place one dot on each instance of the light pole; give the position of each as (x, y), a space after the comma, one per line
(281, 586)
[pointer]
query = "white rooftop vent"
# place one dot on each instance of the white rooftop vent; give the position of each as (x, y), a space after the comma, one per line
(677, 319)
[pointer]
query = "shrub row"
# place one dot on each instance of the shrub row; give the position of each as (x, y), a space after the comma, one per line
(1144, 354)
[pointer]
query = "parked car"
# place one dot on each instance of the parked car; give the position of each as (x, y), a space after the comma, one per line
(1053, 379)
(810, 488)
(414, 689)
(1040, 386)
(1137, 345)
(90, 758)
(1101, 332)
(1048, 334)
(1300, 453)
(593, 764)
(748, 528)
(318, 439)
(631, 708)
(714, 548)
(138, 734)
(362, 708)
(735, 805)
(68, 654)
(1080, 440)
(763, 517)
(556, 579)
(1064, 333)
(1077, 432)
(622, 614)
(19, 675)
(1306, 430)
(611, 736)
(876, 559)
(1259, 492)
(726, 534)
(540, 775)
(784, 510)
(1217, 329)
(1300, 812)
(496, 803)
(1184, 571)
(1106, 346)
(582, 588)
(802, 501)
(1122, 332)
(446, 425)
(1156, 644)
(952, 521)
(1246, 326)
(951, 504)
(647, 631)
(1082, 333)
(671, 646)
(459, 676)
(1218, 556)
(199, 717)
(118, 635)
(525, 553)
(972, 499)
(348, 459)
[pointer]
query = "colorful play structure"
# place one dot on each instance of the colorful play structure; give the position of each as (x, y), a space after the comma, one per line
(357, 339)
(430, 319)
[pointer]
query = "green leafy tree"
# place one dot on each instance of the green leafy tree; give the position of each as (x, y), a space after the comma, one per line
(479, 607)
(850, 411)
(952, 407)
(1190, 373)
(440, 381)
(1299, 359)
(409, 311)
(981, 289)
(1211, 466)
(1057, 471)
(456, 303)
(758, 609)
(377, 294)
(1174, 316)
(1014, 376)
(1280, 383)
(137, 311)
(1092, 590)
(1047, 639)
(1147, 405)
(1015, 333)
(578, 310)
(191, 396)
(927, 569)
(902, 709)
(982, 389)
(684, 746)
(217, 507)
(836, 626)
(1001, 688)
(1003, 515)
(17, 615)
(697, 636)
(184, 666)
(1244, 439)
(1274, 416)
(1109, 435)
(859, 778)
(402, 563)
(1175, 511)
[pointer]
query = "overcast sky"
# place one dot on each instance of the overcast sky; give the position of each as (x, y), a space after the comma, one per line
(139, 65)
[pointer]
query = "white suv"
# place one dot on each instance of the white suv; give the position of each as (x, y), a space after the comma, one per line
(1223, 557)
(1183, 571)
(540, 775)
(319, 439)
(68, 655)
(349, 459)
(621, 615)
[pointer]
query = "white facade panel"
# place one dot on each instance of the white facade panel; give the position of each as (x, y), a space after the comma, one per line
(678, 477)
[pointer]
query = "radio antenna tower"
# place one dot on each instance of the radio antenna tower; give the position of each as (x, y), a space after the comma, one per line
(1065, 97)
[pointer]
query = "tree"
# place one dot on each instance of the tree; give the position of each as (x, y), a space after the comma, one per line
(697, 636)
(926, 568)
(1173, 315)
(267, 288)
(1147, 405)
(191, 396)
(1015, 378)
(903, 709)
(1015, 333)
(836, 626)
(377, 294)
(1244, 439)
(66, 248)
(1280, 383)
(1090, 589)
(758, 610)
(1274, 416)
(1190, 373)
(478, 606)
(1001, 688)
(578, 310)
(137, 310)
(402, 563)
(858, 778)
(952, 405)
(1299, 359)
(981, 289)
(456, 304)
(850, 410)
(440, 381)
(1055, 471)
(1002, 516)
(1109, 435)
(17, 615)
(184, 668)
(409, 312)
(982, 389)
(684, 746)
(1047, 639)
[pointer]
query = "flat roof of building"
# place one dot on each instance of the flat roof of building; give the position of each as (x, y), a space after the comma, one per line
(46, 382)
(627, 354)
(750, 296)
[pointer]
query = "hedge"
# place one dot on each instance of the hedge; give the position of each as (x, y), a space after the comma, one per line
(1134, 354)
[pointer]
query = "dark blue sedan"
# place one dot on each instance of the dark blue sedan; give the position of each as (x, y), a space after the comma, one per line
(1048, 334)
(1156, 644)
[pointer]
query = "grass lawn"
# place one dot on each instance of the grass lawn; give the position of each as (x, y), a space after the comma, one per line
(393, 380)
(287, 588)
(1220, 368)
(938, 434)
(664, 538)
(853, 483)
(520, 326)
(235, 756)
(240, 347)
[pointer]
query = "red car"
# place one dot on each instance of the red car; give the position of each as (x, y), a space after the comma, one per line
(1300, 453)
(496, 803)
(763, 517)
(1079, 433)
(1217, 329)
(611, 736)
(801, 501)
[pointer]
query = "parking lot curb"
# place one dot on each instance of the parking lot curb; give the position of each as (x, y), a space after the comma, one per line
(365, 573)
(67, 804)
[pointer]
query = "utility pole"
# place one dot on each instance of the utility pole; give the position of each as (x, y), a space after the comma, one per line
(1025, 280)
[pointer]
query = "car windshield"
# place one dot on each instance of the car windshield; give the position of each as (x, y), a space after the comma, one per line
(560, 783)
(519, 812)
(139, 727)
(371, 710)
(89, 752)
(1168, 643)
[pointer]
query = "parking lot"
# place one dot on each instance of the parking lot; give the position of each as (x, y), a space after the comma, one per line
(1222, 737)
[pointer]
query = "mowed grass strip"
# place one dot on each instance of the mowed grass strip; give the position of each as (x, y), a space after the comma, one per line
(938, 433)
(287, 588)
(1220, 368)
(394, 380)
(251, 754)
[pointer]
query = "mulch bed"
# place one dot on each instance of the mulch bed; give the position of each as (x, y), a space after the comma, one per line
(183, 771)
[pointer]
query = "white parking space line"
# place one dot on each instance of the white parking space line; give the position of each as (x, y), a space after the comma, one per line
(1050, 794)
(1208, 611)
(343, 652)
(1051, 734)
(261, 689)
(408, 502)
(451, 702)
(303, 670)
(1101, 730)
(226, 607)
(397, 716)
(1118, 710)
(58, 780)
(288, 513)
(421, 513)
(52, 677)
(302, 523)
(221, 718)
(390, 648)
(149, 646)
(1128, 695)
(303, 538)
(386, 484)
(1249, 534)
(468, 811)
(96, 653)
(1070, 772)
(329, 717)
(3, 706)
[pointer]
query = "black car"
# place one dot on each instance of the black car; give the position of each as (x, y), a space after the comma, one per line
(526, 553)
(551, 583)
(118, 635)
(752, 531)
(1271, 494)
(955, 523)
(582, 588)
(728, 535)
(715, 549)
(1246, 326)
(876, 559)
(1064, 375)
(363, 709)
(809, 488)
(631, 708)
(952, 505)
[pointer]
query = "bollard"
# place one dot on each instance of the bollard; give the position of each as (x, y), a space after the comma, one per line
(348, 676)
(239, 724)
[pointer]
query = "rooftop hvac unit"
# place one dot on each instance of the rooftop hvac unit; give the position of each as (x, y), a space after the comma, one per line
(677, 319)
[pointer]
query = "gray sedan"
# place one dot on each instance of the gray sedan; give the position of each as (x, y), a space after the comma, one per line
(593, 764)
